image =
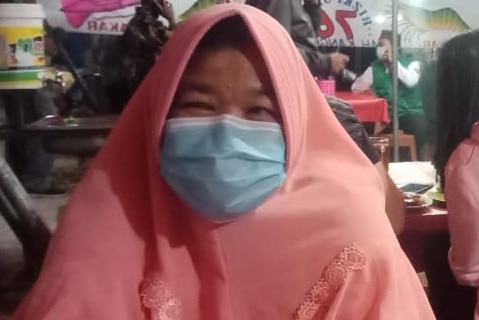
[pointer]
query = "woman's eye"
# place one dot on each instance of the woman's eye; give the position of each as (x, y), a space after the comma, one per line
(195, 105)
(192, 109)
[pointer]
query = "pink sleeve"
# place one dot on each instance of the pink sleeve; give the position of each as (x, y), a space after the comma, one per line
(462, 194)
(387, 288)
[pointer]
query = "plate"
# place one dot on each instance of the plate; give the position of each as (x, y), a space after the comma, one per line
(416, 201)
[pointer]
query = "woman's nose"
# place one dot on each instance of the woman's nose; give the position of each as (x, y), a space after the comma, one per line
(235, 111)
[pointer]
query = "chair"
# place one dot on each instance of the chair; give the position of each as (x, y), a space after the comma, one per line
(405, 140)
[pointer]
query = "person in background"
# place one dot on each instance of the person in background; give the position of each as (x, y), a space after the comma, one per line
(378, 78)
(313, 9)
(292, 16)
(457, 154)
(145, 36)
(227, 190)
(127, 59)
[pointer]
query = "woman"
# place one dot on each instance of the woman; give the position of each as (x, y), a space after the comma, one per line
(127, 59)
(457, 158)
(217, 196)
(378, 78)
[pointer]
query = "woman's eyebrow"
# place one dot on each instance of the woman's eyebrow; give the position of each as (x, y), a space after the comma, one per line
(196, 86)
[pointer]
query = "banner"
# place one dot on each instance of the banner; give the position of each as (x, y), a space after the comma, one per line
(422, 24)
(102, 16)
(345, 23)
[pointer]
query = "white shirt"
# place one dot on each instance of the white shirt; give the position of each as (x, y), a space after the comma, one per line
(409, 76)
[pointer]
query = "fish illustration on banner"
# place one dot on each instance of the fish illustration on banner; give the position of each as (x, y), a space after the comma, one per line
(440, 24)
(359, 22)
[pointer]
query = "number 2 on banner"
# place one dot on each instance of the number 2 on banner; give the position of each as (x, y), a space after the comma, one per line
(327, 25)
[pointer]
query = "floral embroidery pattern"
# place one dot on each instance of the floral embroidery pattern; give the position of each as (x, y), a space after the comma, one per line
(321, 295)
(158, 298)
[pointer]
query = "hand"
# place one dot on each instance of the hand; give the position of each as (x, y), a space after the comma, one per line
(388, 56)
(166, 10)
(339, 62)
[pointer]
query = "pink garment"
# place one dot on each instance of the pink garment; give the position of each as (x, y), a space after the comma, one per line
(78, 11)
(462, 196)
(320, 248)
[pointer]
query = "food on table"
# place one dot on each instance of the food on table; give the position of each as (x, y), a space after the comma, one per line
(413, 200)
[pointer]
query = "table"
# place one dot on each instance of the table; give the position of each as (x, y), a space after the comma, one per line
(80, 136)
(420, 226)
(425, 240)
(368, 108)
(428, 220)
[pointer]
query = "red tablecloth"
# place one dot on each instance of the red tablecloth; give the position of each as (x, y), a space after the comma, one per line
(434, 219)
(368, 107)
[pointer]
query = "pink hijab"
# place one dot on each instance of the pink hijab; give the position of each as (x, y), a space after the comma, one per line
(320, 248)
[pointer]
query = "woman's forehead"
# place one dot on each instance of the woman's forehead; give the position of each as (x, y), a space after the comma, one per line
(248, 50)
(247, 56)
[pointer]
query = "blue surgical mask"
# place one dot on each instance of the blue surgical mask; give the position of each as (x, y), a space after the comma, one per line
(222, 166)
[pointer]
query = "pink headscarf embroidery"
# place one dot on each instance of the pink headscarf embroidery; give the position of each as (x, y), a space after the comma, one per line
(321, 295)
(158, 298)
